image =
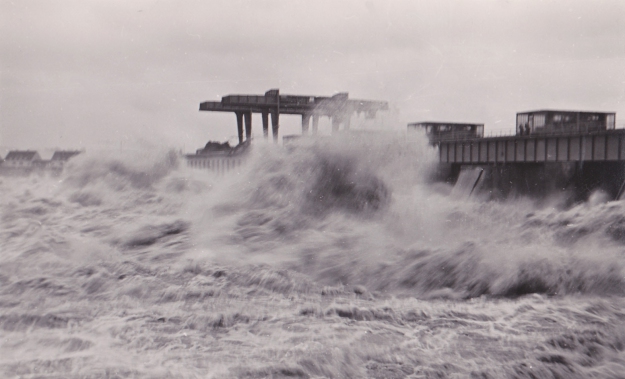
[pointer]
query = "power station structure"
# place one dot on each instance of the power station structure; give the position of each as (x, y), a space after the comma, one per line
(551, 150)
(338, 107)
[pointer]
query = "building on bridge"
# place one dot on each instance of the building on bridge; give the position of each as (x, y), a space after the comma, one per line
(441, 131)
(555, 121)
(541, 136)
(552, 151)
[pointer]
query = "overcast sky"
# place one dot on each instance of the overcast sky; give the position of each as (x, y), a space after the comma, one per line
(88, 74)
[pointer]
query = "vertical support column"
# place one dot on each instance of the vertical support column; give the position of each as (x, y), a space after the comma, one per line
(248, 125)
(347, 121)
(275, 124)
(240, 125)
(336, 122)
(265, 115)
(305, 123)
(315, 125)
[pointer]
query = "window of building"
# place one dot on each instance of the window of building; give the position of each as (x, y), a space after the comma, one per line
(609, 122)
(539, 120)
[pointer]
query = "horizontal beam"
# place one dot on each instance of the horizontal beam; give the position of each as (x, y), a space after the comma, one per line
(294, 104)
(320, 110)
(337, 107)
(608, 145)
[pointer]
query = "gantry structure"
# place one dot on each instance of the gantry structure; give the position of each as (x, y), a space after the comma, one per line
(339, 108)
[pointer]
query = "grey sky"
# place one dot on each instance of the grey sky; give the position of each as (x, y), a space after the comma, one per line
(100, 73)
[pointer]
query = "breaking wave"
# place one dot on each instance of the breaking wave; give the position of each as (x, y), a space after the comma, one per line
(361, 212)
(326, 258)
(344, 212)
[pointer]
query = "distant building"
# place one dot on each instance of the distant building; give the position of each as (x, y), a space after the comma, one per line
(28, 160)
(442, 131)
(21, 159)
(59, 158)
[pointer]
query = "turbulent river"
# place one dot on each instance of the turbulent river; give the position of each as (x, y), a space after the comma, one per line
(325, 259)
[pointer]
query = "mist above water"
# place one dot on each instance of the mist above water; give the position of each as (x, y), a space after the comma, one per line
(360, 211)
(354, 210)
(134, 252)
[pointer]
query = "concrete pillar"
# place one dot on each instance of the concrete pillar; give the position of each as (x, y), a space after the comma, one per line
(315, 124)
(248, 125)
(346, 121)
(240, 125)
(336, 122)
(305, 124)
(275, 124)
(265, 124)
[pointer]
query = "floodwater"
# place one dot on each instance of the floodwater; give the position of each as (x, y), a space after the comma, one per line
(326, 259)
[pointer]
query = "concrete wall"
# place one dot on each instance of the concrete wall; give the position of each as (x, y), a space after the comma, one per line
(607, 145)
(220, 165)
(574, 180)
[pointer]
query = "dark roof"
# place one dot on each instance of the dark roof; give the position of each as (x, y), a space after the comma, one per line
(564, 111)
(26, 155)
(446, 123)
(63, 155)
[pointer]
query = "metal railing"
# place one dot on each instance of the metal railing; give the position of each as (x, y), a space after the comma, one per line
(508, 132)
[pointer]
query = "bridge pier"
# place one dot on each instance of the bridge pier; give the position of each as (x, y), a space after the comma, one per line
(248, 125)
(275, 125)
(315, 124)
(339, 119)
(241, 116)
(305, 123)
(265, 125)
(240, 125)
(336, 123)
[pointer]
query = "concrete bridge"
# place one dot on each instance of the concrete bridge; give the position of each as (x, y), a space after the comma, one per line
(575, 164)
(338, 107)
(572, 152)
(598, 146)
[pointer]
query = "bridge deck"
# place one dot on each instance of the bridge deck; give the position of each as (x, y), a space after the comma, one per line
(338, 107)
(606, 145)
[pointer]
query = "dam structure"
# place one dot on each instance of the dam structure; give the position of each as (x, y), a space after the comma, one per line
(552, 150)
(339, 108)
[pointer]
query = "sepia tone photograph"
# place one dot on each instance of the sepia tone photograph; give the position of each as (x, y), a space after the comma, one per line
(272, 189)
